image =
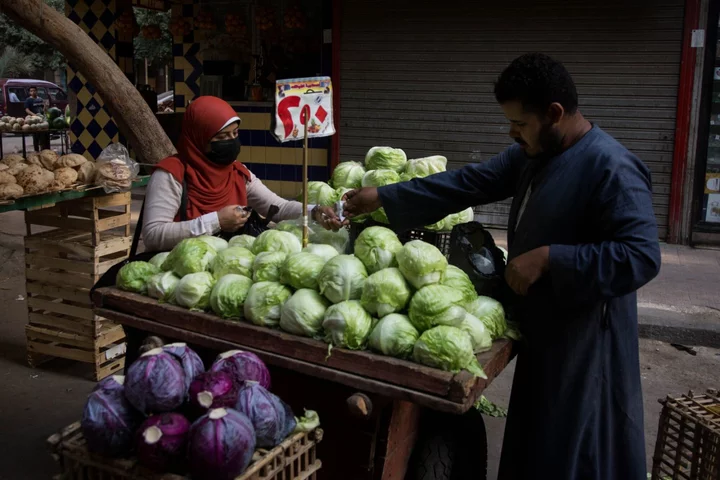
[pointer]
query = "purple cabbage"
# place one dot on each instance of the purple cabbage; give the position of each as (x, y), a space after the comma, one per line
(272, 418)
(162, 442)
(109, 420)
(221, 445)
(242, 366)
(191, 362)
(213, 390)
(155, 382)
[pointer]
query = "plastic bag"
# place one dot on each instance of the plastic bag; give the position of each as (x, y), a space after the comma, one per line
(473, 250)
(256, 224)
(115, 170)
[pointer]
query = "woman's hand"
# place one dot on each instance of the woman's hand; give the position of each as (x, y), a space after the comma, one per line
(327, 217)
(232, 218)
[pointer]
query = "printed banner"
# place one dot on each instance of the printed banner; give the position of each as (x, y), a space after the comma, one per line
(291, 99)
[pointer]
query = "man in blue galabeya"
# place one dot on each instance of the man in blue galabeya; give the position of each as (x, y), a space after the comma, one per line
(582, 240)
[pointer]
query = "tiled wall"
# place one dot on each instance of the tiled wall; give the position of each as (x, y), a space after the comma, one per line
(278, 165)
(187, 59)
(92, 129)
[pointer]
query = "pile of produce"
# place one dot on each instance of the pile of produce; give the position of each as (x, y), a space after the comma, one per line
(398, 300)
(31, 123)
(42, 172)
(176, 417)
(383, 166)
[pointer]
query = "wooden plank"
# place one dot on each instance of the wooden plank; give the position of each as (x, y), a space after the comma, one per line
(40, 218)
(115, 221)
(43, 261)
(66, 324)
(56, 350)
(66, 338)
(66, 293)
(113, 200)
(466, 388)
(395, 371)
(113, 245)
(102, 267)
(111, 368)
(59, 278)
(85, 313)
(330, 374)
(402, 434)
(109, 334)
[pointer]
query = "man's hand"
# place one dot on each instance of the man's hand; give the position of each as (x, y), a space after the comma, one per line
(525, 270)
(327, 218)
(231, 218)
(360, 201)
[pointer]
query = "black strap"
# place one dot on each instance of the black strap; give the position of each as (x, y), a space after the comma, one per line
(138, 230)
(183, 201)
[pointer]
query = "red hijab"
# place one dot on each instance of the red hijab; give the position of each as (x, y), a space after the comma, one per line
(210, 187)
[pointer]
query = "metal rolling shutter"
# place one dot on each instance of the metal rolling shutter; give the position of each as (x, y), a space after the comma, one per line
(419, 75)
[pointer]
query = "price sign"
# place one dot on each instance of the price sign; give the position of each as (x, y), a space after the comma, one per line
(299, 101)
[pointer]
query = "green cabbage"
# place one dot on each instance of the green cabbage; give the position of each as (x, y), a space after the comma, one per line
(504, 252)
(263, 303)
(162, 286)
(134, 276)
(245, 241)
(191, 255)
(447, 223)
(347, 325)
(447, 348)
(423, 167)
(436, 305)
(479, 335)
(338, 240)
(267, 265)
(380, 178)
(301, 270)
(303, 314)
(342, 278)
(320, 193)
(277, 241)
(459, 280)
(421, 263)
(193, 290)
(380, 216)
(491, 314)
(326, 252)
(385, 158)
(228, 295)
(394, 335)
(217, 243)
(159, 259)
(385, 292)
(376, 248)
(347, 175)
(291, 226)
(237, 260)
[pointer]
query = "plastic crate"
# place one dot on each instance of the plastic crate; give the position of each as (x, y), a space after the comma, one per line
(440, 239)
(294, 459)
(688, 441)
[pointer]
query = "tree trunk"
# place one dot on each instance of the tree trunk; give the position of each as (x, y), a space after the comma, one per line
(127, 107)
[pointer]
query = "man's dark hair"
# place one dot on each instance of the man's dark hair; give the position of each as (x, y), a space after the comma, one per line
(537, 81)
(31, 87)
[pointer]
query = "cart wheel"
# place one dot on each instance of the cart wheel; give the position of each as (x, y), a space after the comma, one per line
(450, 447)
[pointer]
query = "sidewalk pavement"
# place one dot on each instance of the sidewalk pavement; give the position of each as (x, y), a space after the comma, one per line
(682, 304)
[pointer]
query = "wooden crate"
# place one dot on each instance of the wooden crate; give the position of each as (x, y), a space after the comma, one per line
(294, 459)
(688, 441)
(67, 249)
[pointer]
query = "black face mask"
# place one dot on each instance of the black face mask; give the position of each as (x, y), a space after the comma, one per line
(224, 152)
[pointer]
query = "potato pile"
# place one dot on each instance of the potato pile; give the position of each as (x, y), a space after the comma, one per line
(42, 172)
(31, 123)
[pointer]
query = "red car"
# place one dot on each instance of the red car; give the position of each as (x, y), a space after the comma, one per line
(14, 91)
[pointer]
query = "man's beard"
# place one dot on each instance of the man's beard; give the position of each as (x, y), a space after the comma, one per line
(550, 141)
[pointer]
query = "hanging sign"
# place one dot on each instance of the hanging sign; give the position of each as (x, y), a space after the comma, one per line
(300, 97)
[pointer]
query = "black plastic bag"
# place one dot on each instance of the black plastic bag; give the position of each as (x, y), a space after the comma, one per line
(256, 224)
(473, 250)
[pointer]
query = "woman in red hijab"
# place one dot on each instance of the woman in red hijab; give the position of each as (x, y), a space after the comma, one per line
(215, 183)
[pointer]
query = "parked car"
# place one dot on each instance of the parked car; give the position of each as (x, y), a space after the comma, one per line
(14, 91)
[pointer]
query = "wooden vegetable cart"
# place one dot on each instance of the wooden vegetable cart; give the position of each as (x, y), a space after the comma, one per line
(370, 405)
(72, 238)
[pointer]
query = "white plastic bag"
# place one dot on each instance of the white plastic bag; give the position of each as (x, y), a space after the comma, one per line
(115, 170)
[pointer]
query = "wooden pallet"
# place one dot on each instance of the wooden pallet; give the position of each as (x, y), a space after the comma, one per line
(79, 241)
(294, 459)
(688, 441)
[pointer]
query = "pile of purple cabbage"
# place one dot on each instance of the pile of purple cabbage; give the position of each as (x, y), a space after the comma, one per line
(176, 417)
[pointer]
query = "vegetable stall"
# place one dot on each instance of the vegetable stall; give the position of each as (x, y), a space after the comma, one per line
(376, 331)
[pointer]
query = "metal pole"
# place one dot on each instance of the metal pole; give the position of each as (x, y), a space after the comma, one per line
(306, 114)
